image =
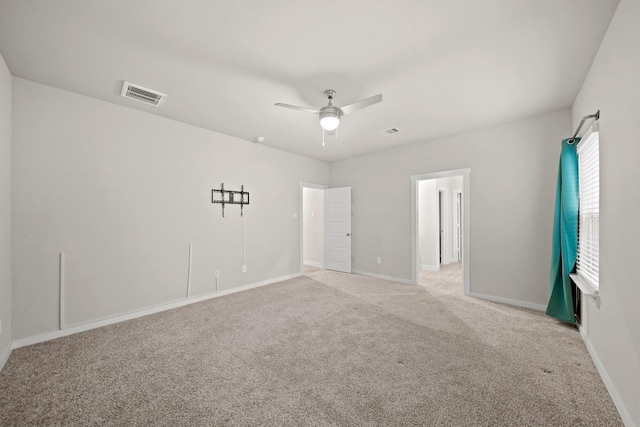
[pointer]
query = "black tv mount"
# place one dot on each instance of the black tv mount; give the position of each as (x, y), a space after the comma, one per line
(230, 197)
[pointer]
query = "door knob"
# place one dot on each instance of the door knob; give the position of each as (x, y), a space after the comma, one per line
(348, 234)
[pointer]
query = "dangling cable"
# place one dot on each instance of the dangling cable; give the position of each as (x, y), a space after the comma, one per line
(323, 131)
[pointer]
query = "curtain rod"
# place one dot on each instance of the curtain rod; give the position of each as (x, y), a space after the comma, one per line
(584, 119)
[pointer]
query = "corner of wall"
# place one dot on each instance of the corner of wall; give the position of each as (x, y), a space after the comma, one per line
(5, 213)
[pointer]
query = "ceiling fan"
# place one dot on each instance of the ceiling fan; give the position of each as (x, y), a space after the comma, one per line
(330, 115)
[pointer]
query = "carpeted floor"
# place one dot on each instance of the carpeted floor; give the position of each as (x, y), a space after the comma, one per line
(310, 268)
(323, 349)
(448, 279)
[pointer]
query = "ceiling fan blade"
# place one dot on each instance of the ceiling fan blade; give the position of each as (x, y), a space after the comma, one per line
(295, 107)
(361, 104)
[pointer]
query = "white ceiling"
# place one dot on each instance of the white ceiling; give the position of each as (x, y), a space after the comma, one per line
(442, 66)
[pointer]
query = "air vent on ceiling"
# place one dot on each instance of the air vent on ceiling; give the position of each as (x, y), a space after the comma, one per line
(142, 94)
(390, 131)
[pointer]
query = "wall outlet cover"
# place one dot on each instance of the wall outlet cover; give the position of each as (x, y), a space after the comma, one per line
(379, 260)
(244, 268)
(217, 273)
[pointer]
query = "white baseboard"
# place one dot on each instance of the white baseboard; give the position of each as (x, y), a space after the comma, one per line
(383, 277)
(312, 263)
(430, 267)
(622, 410)
(70, 330)
(517, 303)
(5, 355)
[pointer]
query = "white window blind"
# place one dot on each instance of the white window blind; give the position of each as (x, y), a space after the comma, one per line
(587, 264)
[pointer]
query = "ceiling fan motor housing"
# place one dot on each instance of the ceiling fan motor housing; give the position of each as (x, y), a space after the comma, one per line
(330, 117)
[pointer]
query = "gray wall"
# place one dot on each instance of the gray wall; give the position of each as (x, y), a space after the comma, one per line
(123, 193)
(512, 185)
(5, 207)
(613, 87)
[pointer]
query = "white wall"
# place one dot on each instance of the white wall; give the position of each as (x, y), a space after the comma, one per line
(613, 87)
(123, 193)
(428, 224)
(313, 220)
(445, 185)
(512, 185)
(5, 209)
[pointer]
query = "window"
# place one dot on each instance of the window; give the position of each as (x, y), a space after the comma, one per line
(587, 264)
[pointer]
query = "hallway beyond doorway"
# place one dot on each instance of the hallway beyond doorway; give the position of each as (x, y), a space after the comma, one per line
(448, 279)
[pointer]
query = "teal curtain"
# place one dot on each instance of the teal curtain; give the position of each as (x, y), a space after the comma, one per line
(565, 235)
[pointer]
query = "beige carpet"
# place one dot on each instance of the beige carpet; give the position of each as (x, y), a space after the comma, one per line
(448, 279)
(323, 349)
(310, 269)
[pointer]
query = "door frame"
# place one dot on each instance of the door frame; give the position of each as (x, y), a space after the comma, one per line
(466, 228)
(459, 225)
(318, 187)
(443, 221)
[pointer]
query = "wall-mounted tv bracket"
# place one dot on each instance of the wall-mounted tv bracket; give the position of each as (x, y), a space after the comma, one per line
(230, 197)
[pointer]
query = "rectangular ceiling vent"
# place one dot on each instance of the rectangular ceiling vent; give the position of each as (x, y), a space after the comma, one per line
(142, 94)
(390, 131)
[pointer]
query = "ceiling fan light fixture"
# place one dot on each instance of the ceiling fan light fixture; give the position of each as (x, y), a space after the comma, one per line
(330, 118)
(331, 115)
(329, 123)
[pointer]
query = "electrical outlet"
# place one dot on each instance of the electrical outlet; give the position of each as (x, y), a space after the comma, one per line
(379, 260)
(217, 273)
(295, 215)
(244, 268)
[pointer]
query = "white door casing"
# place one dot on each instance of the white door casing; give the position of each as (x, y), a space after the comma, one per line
(337, 229)
(458, 235)
(442, 226)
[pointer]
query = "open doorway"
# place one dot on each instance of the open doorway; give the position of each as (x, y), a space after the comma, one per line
(311, 227)
(440, 230)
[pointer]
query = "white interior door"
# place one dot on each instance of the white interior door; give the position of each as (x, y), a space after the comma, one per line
(337, 229)
(441, 224)
(459, 224)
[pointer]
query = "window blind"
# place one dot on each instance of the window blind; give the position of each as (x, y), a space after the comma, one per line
(587, 264)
